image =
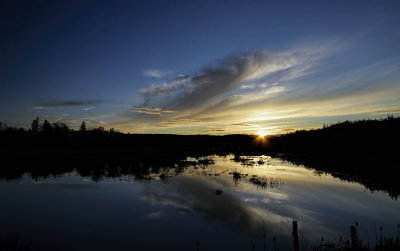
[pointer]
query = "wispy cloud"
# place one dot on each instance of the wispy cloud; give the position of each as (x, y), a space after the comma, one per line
(386, 111)
(64, 103)
(257, 86)
(151, 111)
(89, 108)
(154, 73)
(155, 89)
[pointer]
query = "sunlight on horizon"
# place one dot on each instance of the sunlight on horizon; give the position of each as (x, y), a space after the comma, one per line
(261, 134)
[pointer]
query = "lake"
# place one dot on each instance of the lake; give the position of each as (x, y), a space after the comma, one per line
(224, 203)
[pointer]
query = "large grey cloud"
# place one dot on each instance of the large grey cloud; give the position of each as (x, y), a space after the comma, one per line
(221, 77)
(180, 81)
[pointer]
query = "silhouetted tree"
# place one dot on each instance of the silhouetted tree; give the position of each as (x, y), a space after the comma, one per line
(46, 127)
(35, 125)
(57, 127)
(113, 131)
(99, 129)
(83, 127)
(64, 128)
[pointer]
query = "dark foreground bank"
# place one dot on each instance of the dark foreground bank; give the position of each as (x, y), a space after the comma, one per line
(344, 243)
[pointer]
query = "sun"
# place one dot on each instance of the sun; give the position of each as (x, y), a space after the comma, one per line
(261, 134)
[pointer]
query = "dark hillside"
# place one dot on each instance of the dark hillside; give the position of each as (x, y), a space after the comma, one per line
(365, 150)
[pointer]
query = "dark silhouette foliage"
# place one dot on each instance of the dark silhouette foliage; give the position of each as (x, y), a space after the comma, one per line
(35, 125)
(83, 127)
(363, 151)
(46, 127)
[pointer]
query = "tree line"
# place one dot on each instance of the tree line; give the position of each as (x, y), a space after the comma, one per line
(46, 127)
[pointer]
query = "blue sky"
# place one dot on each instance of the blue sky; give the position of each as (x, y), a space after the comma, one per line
(193, 67)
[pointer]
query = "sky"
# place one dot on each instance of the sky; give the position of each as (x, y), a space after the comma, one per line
(199, 67)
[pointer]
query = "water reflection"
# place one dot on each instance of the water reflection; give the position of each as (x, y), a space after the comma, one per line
(266, 196)
(223, 202)
(197, 194)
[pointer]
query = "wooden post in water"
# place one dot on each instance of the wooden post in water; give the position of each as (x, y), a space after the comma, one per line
(353, 236)
(295, 237)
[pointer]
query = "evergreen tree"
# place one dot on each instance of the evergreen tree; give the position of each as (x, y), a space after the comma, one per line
(83, 127)
(35, 125)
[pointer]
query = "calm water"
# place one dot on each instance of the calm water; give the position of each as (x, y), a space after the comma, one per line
(225, 205)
